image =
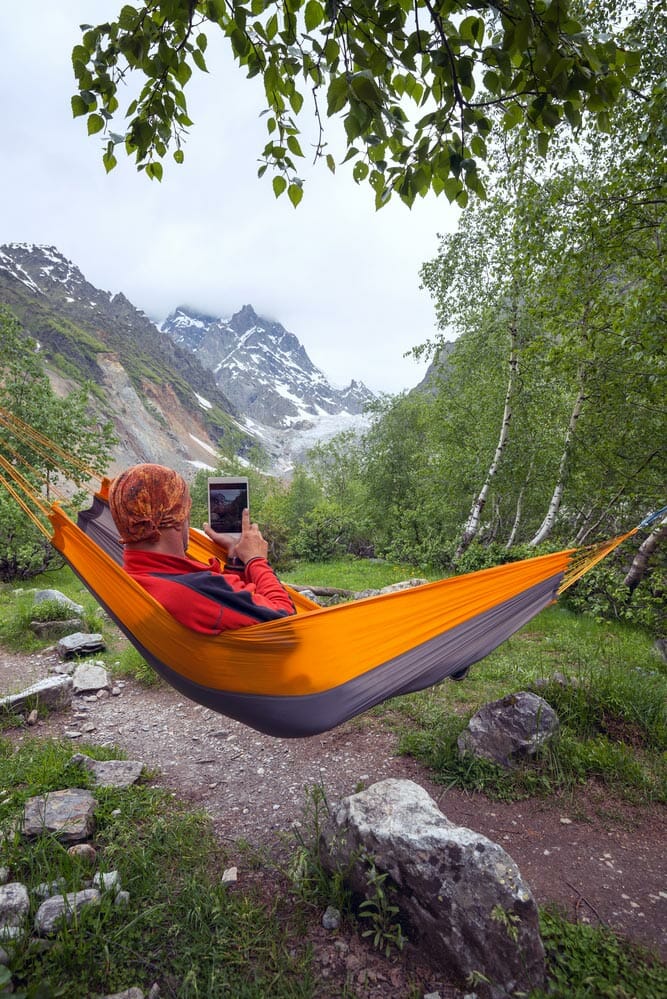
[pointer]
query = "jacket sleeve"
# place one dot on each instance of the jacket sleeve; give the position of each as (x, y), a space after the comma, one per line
(268, 586)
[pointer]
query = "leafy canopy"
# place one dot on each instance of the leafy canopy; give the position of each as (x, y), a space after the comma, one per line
(419, 85)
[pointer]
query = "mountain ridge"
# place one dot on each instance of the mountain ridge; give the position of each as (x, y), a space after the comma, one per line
(165, 403)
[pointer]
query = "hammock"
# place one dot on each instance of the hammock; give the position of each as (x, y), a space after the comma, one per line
(308, 673)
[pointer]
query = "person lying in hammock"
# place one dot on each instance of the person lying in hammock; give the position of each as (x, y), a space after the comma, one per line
(150, 505)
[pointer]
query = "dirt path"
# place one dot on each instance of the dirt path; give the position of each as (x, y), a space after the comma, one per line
(603, 860)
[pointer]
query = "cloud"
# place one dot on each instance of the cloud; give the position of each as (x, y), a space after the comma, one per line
(341, 277)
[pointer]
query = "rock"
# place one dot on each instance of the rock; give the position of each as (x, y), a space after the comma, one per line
(80, 644)
(406, 584)
(89, 678)
(54, 692)
(503, 731)
(460, 897)
(107, 881)
(133, 993)
(33, 717)
(56, 629)
(63, 907)
(40, 596)
(331, 918)
(230, 876)
(14, 908)
(110, 773)
(84, 852)
(47, 889)
(68, 815)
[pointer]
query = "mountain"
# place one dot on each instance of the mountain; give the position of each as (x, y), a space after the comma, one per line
(263, 369)
(176, 392)
(164, 405)
(286, 401)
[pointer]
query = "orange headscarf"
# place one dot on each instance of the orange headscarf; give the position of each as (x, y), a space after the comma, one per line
(147, 498)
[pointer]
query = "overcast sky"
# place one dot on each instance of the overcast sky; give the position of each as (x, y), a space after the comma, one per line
(341, 277)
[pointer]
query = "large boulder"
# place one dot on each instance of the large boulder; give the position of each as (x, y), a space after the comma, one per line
(504, 731)
(460, 897)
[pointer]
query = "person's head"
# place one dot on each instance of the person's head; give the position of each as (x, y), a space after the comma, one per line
(150, 505)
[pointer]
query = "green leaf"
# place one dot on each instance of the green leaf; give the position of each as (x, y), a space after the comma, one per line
(331, 163)
(199, 60)
(337, 94)
(109, 161)
(542, 144)
(314, 14)
(154, 171)
(95, 123)
(183, 73)
(293, 145)
(279, 185)
(79, 106)
(295, 194)
(179, 155)
(360, 171)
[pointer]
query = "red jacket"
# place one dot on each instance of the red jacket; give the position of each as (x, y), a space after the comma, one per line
(204, 598)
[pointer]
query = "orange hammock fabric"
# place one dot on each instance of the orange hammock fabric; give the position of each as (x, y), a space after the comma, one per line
(306, 674)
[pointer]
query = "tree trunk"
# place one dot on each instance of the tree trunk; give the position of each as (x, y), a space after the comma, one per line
(554, 506)
(517, 518)
(641, 559)
(471, 528)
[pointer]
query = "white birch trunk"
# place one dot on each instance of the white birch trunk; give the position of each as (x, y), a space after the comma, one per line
(471, 528)
(554, 506)
(640, 562)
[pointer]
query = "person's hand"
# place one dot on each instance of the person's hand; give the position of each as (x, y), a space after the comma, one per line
(251, 544)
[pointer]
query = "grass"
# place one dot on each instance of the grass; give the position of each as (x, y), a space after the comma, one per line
(182, 927)
(352, 574)
(18, 609)
(586, 962)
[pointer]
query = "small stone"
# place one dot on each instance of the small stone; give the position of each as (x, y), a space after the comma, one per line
(47, 889)
(565, 821)
(83, 851)
(33, 717)
(331, 918)
(107, 881)
(229, 876)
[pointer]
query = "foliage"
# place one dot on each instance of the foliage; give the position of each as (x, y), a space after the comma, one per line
(25, 392)
(418, 88)
(586, 961)
(385, 930)
(132, 663)
(18, 609)
(603, 594)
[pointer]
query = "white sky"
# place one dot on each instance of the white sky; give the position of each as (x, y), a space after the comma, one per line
(341, 277)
